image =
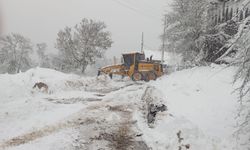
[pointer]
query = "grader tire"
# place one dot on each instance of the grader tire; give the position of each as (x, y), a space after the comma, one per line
(137, 76)
(150, 76)
(98, 73)
(111, 76)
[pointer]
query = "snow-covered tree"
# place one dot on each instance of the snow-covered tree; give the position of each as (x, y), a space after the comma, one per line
(185, 24)
(81, 45)
(43, 58)
(41, 48)
(57, 62)
(242, 76)
(15, 53)
(243, 61)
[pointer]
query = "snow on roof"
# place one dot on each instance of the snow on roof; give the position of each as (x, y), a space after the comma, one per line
(132, 52)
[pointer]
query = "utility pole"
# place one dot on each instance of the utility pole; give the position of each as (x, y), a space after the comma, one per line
(163, 39)
(142, 43)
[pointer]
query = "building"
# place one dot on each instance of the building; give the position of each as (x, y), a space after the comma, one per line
(223, 10)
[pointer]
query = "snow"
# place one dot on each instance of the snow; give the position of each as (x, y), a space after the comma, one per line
(82, 112)
(204, 98)
(193, 92)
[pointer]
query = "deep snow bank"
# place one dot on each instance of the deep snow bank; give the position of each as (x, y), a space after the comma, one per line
(23, 109)
(200, 98)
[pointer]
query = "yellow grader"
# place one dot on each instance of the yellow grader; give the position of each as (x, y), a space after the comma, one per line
(136, 67)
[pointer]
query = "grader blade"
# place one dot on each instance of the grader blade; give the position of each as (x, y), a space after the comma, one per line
(111, 70)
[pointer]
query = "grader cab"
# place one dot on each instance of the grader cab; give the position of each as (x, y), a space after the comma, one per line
(135, 66)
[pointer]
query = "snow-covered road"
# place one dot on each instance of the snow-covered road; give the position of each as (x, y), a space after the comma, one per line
(99, 113)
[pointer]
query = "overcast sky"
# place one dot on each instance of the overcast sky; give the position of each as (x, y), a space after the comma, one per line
(40, 20)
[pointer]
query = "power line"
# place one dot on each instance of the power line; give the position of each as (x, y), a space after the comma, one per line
(149, 8)
(134, 9)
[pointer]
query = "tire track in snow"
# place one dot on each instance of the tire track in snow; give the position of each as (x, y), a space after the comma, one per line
(75, 122)
(120, 134)
(48, 130)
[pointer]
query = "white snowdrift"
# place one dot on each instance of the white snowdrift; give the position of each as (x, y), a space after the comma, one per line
(204, 108)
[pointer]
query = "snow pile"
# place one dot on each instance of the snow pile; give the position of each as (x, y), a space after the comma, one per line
(21, 84)
(203, 108)
(21, 109)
